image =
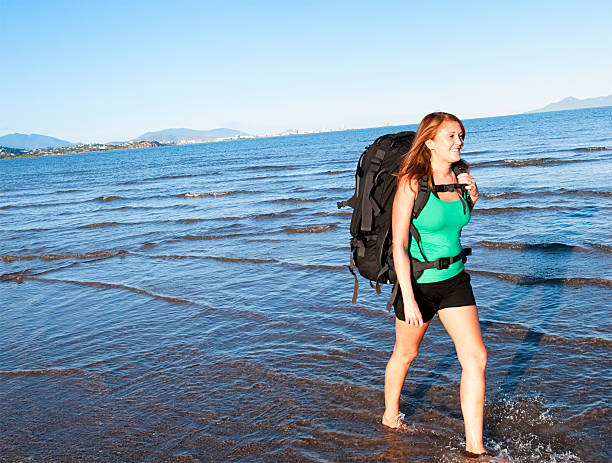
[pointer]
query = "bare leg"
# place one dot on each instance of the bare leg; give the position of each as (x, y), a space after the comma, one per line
(462, 325)
(407, 341)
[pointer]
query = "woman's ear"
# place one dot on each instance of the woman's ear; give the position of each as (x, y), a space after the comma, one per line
(429, 144)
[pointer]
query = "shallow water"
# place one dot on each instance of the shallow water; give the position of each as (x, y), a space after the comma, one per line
(192, 303)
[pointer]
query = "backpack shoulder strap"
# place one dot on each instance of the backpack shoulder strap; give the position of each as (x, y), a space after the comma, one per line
(460, 167)
(421, 197)
(419, 204)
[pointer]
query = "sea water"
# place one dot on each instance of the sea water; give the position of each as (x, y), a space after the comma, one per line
(192, 303)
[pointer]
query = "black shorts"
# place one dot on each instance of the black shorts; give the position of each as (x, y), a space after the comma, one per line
(431, 297)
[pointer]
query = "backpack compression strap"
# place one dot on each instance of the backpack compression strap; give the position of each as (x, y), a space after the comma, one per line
(368, 206)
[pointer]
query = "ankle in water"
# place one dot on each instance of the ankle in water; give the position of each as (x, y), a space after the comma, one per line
(393, 422)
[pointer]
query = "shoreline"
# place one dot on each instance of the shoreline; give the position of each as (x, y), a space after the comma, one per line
(11, 153)
(17, 153)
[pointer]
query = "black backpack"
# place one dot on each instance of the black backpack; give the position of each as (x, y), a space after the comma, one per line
(372, 203)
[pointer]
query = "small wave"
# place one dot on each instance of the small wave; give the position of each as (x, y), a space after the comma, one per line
(342, 189)
(138, 208)
(213, 237)
(51, 257)
(561, 191)
(504, 210)
(170, 177)
(99, 284)
(273, 215)
(601, 247)
(476, 152)
(26, 206)
(335, 214)
(553, 247)
(191, 220)
(242, 259)
(17, 277)
(217, 219)
(152, 179)
(594, 148)
(106, 199)
(277, 167)
(66, 191)
(586, 192)
(315, 267)
(530, 280)
(526, 162)
(102, 224)
(262, 240)
(296, 200)
(508, 194)
(43, 372)
(217, 194)
(217, 258)
(204, 237)
(337, 172)
(311, 229)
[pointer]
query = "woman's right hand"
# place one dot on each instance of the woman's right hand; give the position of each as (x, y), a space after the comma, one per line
(412, 314)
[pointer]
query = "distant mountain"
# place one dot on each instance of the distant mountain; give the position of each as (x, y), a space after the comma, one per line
(574, 103)
(177, 135)
(32, 141)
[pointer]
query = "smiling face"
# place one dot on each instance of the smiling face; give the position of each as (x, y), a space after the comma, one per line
(447, 143)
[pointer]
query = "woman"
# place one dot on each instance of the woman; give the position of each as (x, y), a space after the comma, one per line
(437, 145)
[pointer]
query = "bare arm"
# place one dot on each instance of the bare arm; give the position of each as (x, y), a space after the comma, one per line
(401, 216)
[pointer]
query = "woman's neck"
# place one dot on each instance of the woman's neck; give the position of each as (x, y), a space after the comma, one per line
(441, 169)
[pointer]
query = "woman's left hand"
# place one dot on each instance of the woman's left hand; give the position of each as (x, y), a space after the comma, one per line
(470, 185)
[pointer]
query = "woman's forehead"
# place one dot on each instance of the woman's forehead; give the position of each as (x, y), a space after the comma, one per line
(450, 127)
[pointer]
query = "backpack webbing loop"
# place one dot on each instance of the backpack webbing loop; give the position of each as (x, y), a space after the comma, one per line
(377, 287)
(356, 285)
(358, 244)
(392, 297)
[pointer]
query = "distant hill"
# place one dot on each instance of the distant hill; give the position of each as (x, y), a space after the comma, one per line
(574, 103)
(177, 135)
(32, 141)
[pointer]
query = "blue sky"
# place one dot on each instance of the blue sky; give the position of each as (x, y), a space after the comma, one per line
(112, 70)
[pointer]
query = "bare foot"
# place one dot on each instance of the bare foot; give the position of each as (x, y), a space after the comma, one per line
(484, 456)
(474, 455)
(397, 423)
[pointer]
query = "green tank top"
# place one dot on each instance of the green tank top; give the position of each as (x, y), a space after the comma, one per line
(439, 224)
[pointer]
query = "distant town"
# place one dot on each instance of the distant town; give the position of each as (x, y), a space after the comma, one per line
(12, 153)
(8, 153)
(24, 146)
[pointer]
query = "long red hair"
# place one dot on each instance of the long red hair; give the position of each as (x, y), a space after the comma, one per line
(417, 162)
